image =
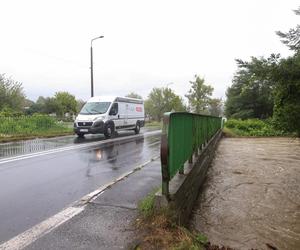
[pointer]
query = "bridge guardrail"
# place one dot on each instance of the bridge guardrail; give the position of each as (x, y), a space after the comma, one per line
(183, 134)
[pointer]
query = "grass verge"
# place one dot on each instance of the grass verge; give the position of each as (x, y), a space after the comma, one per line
(158, 230)
(153, 124)
(28, 127)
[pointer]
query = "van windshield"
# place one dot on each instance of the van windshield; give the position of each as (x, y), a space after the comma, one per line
(93, 108)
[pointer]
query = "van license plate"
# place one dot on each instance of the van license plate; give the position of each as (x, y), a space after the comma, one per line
(84, 130)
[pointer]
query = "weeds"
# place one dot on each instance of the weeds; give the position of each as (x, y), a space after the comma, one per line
(160, 230)
(146, 206)
(251, 127)
(153, 124)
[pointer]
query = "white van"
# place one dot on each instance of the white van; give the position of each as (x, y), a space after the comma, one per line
(106, 115)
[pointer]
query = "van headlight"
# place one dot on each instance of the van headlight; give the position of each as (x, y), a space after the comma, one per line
(99, 118)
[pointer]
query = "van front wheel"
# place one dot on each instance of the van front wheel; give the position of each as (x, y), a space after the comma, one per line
(80, 135)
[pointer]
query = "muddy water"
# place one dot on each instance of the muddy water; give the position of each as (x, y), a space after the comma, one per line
(251, 197)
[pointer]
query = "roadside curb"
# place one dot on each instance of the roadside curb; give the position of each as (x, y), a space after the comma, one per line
(45, 227)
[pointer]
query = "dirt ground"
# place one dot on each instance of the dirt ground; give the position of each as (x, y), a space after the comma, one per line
(251, 197)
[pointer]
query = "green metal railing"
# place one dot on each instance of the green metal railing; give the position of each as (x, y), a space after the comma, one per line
(182, 135)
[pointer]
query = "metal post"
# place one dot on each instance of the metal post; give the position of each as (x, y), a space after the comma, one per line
(165, 188)
(181, 170)
(92, 78)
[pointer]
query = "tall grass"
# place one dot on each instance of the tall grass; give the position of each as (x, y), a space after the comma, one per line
(253, 127)
(30, 125)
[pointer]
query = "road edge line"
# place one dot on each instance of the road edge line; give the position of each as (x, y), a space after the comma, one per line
(32, 234)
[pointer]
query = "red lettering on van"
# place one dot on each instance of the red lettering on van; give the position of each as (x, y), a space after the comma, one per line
(138, 109)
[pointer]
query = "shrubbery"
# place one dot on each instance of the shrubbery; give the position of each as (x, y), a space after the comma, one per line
(30, 125)
(253, 127)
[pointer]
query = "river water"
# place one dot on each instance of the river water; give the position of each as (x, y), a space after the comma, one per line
(251, 197)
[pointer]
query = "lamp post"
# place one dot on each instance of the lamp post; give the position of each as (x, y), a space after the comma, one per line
(92, 77)
(170, 83)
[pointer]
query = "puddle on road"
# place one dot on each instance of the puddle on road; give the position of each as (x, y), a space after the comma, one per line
(251, 194)
(32, 146)
(41, 144)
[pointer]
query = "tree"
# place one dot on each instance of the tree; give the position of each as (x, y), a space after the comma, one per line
(251, 94)
(215, 107)
(287, 89)
(292, 37)
(287, 94)
(44, 105)
(65, 103)
(80, 104)
(11, 94)
(134, 95)
(199, 95)
(161, 100)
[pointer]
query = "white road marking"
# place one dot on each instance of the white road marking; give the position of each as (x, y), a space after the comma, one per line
(29, 236)
(93, 195)
(82, 146)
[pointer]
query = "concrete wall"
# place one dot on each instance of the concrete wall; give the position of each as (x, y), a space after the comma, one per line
(184, 188)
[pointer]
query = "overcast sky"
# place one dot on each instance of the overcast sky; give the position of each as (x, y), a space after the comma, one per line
(46, 44)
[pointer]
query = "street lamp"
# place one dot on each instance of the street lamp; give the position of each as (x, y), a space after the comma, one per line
(170, 83)
(92, 78)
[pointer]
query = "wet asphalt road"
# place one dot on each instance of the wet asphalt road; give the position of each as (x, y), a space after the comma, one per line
(35, 188)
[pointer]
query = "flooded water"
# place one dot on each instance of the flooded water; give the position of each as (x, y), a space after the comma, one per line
(251, 198)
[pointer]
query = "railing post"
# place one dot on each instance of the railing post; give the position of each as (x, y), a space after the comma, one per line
(181, 170)
(164, 156)
(191, 159)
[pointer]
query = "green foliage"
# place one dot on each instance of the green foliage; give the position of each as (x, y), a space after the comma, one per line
(156, 124)
(29, 125)
(80, 104)
(287, 97)
(253, 127)
(146, 206)
(251, 94)
(9, 112)
(134, 95)
(292, 37)
(65, 103)
(201, 238)
(43, 105)
(161, 100)
(11, 94)
(199, 96)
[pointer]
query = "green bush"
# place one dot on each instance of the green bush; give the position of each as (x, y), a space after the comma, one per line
(30, 125)
(253, 127)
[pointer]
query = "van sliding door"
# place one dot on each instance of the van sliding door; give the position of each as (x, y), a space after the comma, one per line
(126, 115)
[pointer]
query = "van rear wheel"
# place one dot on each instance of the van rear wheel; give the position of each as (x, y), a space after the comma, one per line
(109, 131)
(137, 128)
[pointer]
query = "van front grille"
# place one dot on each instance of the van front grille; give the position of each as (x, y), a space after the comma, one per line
(85, 124)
